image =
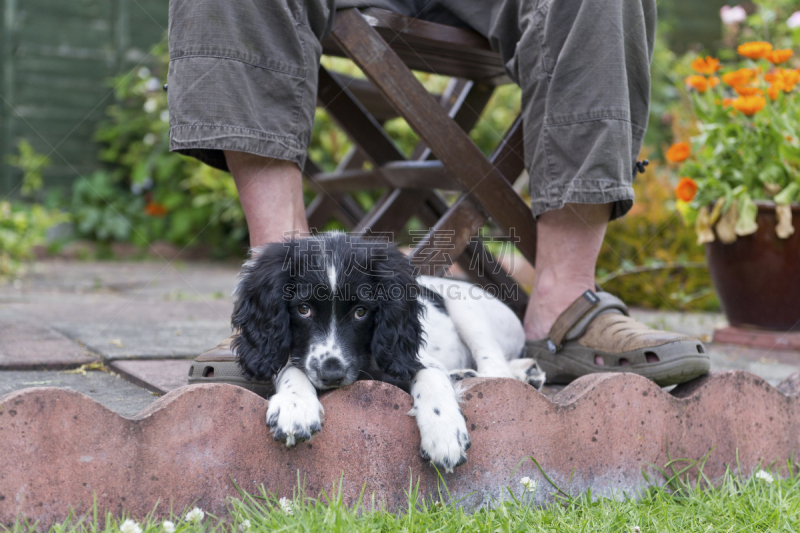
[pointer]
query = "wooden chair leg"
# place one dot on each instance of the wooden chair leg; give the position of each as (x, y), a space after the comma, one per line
(356, 121)
(326, 204)
(449, 143)
(466, 216)
(479, 264)
(464, 101)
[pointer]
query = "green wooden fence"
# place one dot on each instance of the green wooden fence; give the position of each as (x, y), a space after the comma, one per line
(56, 59)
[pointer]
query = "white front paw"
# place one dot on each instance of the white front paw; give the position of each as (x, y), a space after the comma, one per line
(443, 435)
(293, 418)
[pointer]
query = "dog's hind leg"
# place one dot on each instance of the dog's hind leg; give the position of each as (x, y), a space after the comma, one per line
(528, 371)
(294, 412)
(444, 439)
(491, 361)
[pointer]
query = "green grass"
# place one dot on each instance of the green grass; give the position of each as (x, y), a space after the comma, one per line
(733, 505)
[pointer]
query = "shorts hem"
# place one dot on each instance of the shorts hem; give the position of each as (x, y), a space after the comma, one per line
(206, 142)
(586, 192)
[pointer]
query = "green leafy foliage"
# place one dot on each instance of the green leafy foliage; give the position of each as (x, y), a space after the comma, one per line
(22, 228)
(745, 146)
(738, 155)
(24, 225)
(32, 165)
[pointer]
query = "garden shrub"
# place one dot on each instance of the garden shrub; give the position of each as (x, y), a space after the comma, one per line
(24, 224)
(650, 257)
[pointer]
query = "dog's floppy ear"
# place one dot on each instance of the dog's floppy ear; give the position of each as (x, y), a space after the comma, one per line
(397, 334)
(260, 318)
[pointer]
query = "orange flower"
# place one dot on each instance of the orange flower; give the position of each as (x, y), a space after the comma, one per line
(755, 50)
(713, 81)
(749, 105)
(678, 152)
(686, 189)
(154, 209)
(777, 57)
(748, 91)
(739, 77)
(698, 83)
(706, 66)
(783, 78)
(773, 92)
(789, 79)
(726, 102)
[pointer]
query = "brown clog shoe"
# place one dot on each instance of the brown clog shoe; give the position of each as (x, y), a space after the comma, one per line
(219, 365)
(595, 334)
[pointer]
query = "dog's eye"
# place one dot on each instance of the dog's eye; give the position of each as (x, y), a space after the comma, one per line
(360, 313)
(304, 310)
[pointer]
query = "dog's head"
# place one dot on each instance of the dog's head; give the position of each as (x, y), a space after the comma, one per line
(332, 305)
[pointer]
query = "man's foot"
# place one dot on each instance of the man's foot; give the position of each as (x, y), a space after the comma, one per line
(219, 365)
(595, 334)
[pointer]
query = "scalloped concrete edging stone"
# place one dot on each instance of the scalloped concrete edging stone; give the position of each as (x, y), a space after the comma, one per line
(61, 448)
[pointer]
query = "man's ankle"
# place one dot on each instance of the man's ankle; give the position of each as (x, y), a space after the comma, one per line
(551, 295)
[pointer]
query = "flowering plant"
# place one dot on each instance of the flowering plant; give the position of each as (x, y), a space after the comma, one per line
(748, 143)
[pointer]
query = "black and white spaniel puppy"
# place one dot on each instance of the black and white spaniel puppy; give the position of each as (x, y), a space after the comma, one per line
(321, 312)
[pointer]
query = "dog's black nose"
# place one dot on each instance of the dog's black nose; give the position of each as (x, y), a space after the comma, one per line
(332, 372)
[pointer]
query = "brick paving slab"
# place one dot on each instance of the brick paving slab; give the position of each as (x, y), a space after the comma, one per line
(700, 325)
(147, 278)
(112, 392)
(602, 432)
(146, 340)
(772, 365)
(107, 308)
(30, 345)
(161, 376)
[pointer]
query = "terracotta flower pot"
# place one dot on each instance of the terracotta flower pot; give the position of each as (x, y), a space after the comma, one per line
(757, 277)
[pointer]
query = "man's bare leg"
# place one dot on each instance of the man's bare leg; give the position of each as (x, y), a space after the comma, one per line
(271, 194)
(568, 244)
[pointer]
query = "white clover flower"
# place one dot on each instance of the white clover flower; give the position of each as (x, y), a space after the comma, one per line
(732, 15)
(528, 483)
(153, 84)
(164, 116)
(150, 105)
(244, 526)
(636, 529)
(129, 526)
(150, 139)
(286, 506)
(143, 73)
(766, 476)
(794, 20)
(195, 515)
(168, 526)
